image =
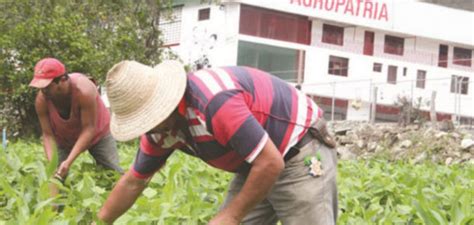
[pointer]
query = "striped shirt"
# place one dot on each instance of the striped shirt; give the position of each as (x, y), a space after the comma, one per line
(231, 112)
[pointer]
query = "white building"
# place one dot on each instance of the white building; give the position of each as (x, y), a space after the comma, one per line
(349, 54)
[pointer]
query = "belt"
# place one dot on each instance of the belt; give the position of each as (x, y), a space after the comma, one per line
(317, 131)
(295, 149)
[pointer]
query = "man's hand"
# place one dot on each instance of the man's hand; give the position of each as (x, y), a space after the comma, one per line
(122, 197)
(224, 218)
(63, 169)
(265, 170)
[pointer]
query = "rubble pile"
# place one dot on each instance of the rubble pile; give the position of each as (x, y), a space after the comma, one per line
(417, 143)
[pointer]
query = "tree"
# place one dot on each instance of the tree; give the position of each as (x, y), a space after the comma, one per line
(88, 36)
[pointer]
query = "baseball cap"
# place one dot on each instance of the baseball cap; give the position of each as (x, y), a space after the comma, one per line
(45, 71)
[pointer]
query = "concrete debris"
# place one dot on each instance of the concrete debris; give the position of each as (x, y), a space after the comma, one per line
(361, 140)
(449, 160)
(345, 153)
(405, 144)
(467, 143)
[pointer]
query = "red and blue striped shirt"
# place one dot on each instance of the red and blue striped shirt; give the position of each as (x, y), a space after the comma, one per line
(231, 113)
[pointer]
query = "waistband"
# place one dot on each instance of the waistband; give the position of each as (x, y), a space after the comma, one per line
(296, 148)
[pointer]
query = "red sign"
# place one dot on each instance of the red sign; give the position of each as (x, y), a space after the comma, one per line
(370, 9)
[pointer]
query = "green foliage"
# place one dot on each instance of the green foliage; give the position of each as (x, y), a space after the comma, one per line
(88, 36)
(377, 192)
(181, 193)
(186, 191)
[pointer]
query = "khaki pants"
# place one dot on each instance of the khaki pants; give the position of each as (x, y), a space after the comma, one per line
(104, 152)
(297, 198)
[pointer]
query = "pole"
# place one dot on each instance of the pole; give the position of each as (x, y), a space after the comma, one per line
(370, 100)
(460, 82)
(411, 104)
(455, 97)
(299, 78)
(333, 100)
(433, 110)
(374, 106)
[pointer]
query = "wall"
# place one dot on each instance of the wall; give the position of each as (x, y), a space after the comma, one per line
(215, 39)
(402, 16)
(419, 53)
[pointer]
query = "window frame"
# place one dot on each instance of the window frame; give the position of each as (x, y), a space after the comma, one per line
(342, 62)
(276, 25)
(462, 56)
(204, 14)
(170, 25)
(258, 50)
(464, 87)
(421, 82)
(377, 66)
(369, 39)
(332, 34)
(443, 53)
(394, 45)
(392, 75)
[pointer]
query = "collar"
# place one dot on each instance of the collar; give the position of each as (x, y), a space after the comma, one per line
(182, 107)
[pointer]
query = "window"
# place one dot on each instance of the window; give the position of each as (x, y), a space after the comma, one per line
(420, 79)
(443, 56)
(333, 34)
(392, 75)
(459, 84)
(274, 25)
(204, 14)
(462, 56)
(170, 26)
(369, 43)
(404, 71)
(338, 66)
(393, 45)
(377, 67)
(281, 62)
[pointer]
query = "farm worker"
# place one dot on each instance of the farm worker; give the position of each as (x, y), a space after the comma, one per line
(72, 117)
(238, 119)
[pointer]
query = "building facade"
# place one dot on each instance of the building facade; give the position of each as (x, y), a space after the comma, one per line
(359, 59)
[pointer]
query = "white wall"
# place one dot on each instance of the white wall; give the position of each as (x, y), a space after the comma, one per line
(403, 16)
(420, 53)
(197, 36)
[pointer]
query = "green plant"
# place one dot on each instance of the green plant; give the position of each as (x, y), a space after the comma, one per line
(187, 191)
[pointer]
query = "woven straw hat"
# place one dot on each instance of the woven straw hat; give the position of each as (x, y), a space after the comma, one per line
(141, 97)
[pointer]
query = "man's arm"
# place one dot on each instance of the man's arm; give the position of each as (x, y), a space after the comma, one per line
(88, 106)
(122, 197)
(48, 139)
(265, 171)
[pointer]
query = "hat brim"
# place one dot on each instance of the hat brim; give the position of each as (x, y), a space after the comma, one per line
(40, 83)
(169, 80)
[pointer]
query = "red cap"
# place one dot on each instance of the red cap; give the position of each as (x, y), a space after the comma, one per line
(45, 71)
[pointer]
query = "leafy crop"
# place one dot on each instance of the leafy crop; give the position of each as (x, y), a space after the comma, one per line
(377, 192)
(186, 191)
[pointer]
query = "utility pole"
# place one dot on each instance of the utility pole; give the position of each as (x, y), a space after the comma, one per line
(433, 110)
(333, 100)
(374, 106)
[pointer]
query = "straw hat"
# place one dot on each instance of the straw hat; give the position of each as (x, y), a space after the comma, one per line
(141, 97)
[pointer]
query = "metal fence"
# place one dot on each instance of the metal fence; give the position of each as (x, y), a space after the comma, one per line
(378, 100)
